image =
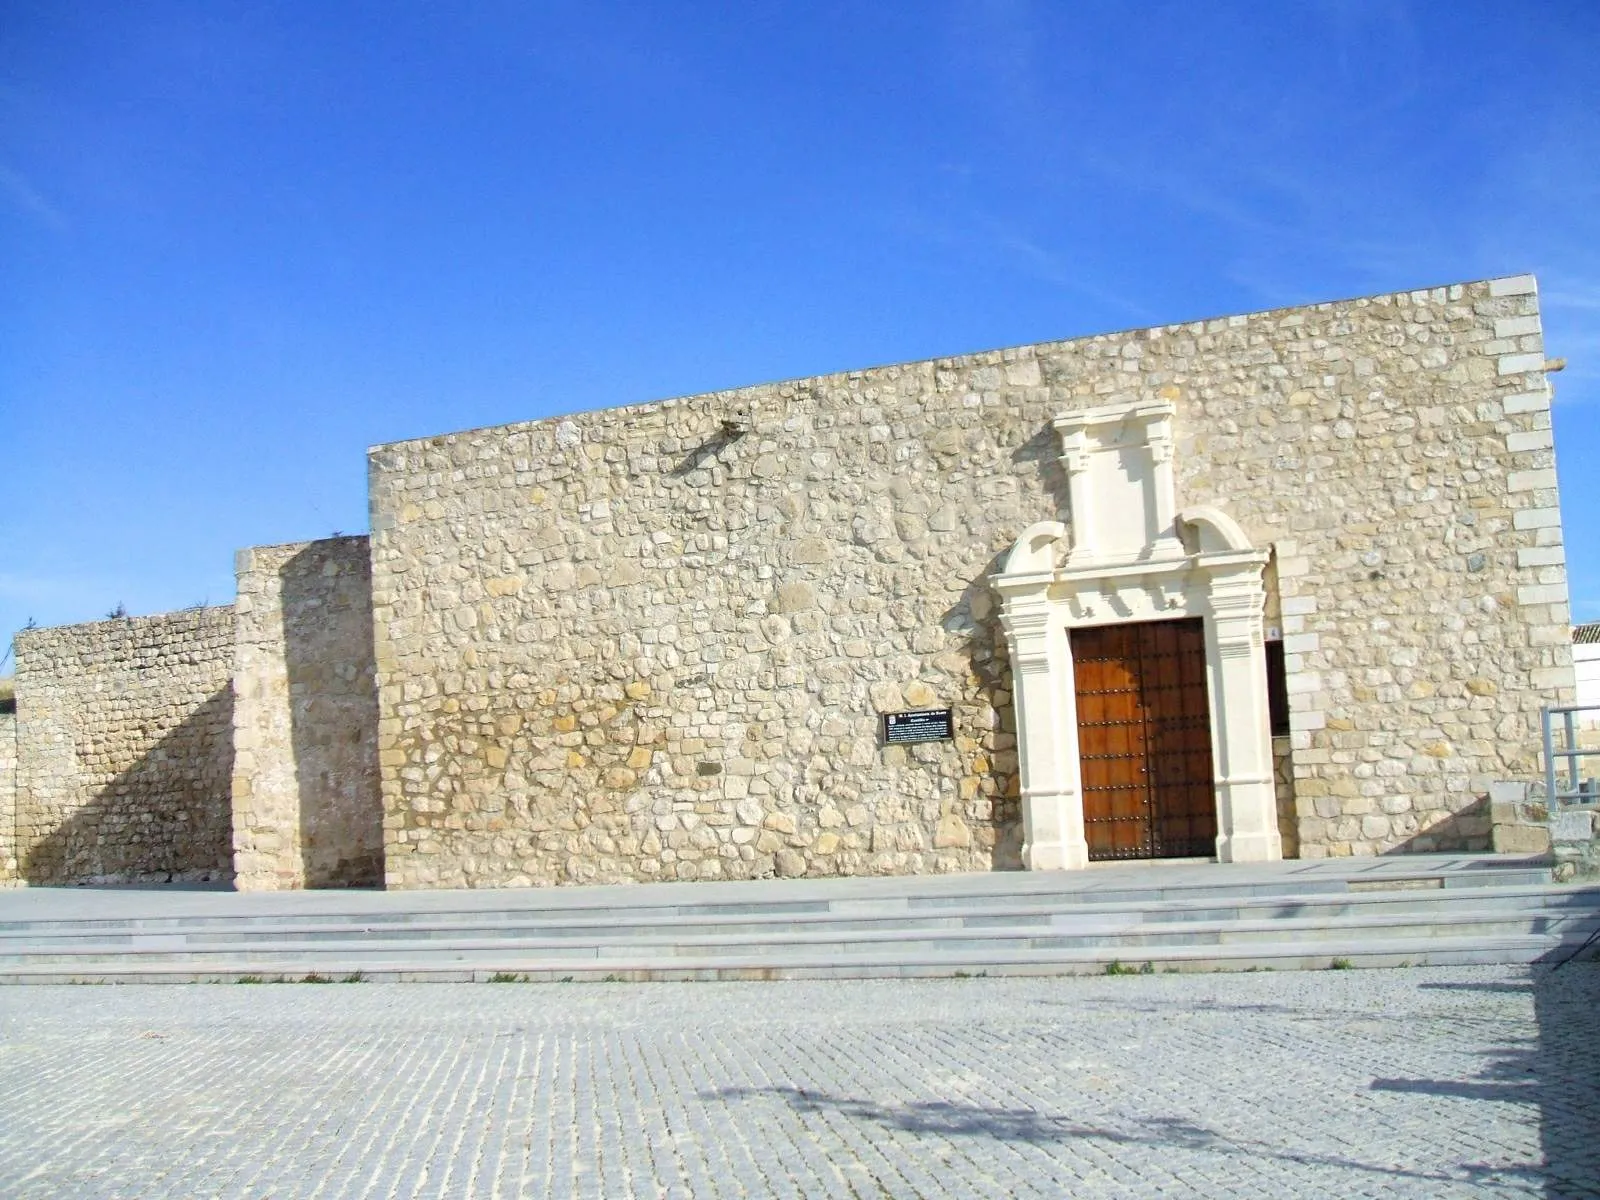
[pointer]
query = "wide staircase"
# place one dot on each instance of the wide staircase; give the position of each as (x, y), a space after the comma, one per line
(1417, 910)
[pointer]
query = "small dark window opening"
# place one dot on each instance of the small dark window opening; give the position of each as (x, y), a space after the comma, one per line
(1277, 690)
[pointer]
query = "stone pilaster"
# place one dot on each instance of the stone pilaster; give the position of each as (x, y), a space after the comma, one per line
(1241, 734)
(1045, 700)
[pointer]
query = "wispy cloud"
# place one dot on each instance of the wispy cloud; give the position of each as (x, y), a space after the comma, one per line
(27, 198)
(18, 588)
(1028, 256)
(1567, 294)
(980, 236)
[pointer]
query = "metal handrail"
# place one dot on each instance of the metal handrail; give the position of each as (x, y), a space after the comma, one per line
(1580, 790)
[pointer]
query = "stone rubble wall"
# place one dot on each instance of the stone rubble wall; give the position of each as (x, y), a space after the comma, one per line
(656, 641)
(1426, 614)
(8, 799)
(306, 805)
(124, 740)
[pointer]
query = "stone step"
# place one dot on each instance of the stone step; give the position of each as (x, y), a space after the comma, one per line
(959, 924)
(909, 913)
(1171, 914)
(155, 908)
(508, 968)
(1054, 929)
(1064, 930)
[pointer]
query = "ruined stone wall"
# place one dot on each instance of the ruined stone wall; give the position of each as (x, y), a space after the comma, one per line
(655, 641)
(8, 798)
(306, 806)
(124, 736)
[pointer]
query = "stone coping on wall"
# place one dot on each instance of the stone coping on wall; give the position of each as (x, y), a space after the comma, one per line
(1500, 285)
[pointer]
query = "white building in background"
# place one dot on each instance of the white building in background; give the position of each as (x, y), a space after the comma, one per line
(1586, 663)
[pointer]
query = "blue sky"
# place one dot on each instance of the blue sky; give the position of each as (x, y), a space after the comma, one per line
(241, 242)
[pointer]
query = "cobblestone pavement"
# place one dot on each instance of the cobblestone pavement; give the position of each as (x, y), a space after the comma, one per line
(1447, 1082)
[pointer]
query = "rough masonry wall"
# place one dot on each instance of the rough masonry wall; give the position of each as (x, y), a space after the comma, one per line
(8, 798)
(655, 641)
(306, 805)
(124, 735)
(1283, 792)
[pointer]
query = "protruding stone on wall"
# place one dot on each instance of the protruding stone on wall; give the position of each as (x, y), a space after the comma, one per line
(306, 806)
(124, 734)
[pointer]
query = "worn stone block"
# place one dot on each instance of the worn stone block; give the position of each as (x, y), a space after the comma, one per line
(1574, 825)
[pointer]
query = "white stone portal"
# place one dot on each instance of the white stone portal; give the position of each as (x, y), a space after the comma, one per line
(1132, 556)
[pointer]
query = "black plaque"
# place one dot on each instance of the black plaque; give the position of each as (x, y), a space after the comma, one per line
(924, 725)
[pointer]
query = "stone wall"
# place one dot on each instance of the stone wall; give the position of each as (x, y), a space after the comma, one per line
(1575, 844)
(656, 641)
(1425, 608)
(8, 797)
(306, 806)
(1519, 818)
(124, 735)
(1283, 791)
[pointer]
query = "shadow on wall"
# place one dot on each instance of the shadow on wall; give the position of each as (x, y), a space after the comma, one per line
(1042, 452)
(974, 619)
(333, 706)
(168, 818)
(1466, 831)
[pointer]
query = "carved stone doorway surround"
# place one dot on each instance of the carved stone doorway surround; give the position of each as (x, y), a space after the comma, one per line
(1133, 557)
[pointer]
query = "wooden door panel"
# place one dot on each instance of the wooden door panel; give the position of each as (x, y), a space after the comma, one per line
(1179, 725)
(1111, 743)
(1144, 739)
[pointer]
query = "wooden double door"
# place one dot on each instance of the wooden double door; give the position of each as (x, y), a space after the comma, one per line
(1144, 740)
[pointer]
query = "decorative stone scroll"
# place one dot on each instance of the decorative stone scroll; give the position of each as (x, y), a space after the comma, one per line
(1132, 556)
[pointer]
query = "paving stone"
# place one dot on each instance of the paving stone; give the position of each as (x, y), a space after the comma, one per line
(1443, 1082)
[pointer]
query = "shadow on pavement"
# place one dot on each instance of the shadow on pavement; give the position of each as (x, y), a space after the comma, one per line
(945, 1117)
(1557, 1072)
(942, 1117)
